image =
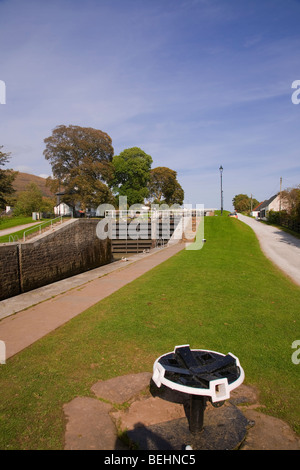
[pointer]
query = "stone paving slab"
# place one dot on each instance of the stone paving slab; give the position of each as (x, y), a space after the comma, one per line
(89, 426)
(123, 388)
(147, 412)
(269, 433)
(159, 423)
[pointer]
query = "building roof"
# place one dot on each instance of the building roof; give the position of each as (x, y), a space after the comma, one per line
(266, 203)
(257, 207)
(60, 203)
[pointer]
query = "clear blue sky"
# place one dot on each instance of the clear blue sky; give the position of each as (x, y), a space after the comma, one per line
(194, 83)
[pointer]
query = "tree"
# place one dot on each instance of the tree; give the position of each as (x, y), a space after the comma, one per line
(131, 175)
(32, 200)
(81, 158)
(242, 203)
(290, 198)
(164, 187)
(6, 179)
(178, 195)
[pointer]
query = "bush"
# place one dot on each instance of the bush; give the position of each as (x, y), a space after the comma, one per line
(276, 217)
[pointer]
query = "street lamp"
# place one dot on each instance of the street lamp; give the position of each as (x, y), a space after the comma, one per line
(221, 171)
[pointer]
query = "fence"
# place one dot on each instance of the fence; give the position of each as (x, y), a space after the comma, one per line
(290, 224)
(39, 228)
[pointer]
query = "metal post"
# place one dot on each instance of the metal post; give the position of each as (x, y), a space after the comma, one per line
(221, 172)
(197, 407)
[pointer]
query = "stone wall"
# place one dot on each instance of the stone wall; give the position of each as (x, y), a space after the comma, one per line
(9, 271)
(72, 249)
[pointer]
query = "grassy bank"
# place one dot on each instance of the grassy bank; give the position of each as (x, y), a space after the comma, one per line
(226, 297)
(10, 222)
(42, 224)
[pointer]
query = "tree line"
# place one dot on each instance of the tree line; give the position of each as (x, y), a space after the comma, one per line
(244, 203)
(86, 171)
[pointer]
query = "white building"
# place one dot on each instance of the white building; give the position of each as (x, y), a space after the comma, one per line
(63, 209)
(275, 203)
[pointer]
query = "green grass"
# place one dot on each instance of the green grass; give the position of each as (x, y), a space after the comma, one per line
(15, 236)
(10, 222)
(226, 297)
(18, 235)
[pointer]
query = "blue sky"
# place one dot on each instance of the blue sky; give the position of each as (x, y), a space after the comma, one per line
(194, 83)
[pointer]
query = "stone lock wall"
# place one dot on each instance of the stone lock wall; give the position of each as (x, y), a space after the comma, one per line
(9, 271)
(72, 249)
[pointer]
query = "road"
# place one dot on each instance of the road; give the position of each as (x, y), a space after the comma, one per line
(280, 247)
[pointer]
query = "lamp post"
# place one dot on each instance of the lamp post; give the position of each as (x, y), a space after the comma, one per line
(221, 172)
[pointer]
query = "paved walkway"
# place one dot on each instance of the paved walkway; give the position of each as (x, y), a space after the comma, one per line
(280, 247)
(51, 306)
(8, 231)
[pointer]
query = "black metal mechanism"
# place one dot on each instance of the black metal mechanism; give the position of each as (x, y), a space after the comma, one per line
(197, 408)
(204, 375)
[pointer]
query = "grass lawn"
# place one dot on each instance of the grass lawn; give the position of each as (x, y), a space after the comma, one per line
(18, 235)
(10, 222)
(226, 297)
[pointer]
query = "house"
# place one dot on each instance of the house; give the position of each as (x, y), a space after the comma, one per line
(256, 211)
(63, 209)
(275, 203)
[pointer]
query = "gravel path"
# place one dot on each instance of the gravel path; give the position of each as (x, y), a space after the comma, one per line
(280, 247)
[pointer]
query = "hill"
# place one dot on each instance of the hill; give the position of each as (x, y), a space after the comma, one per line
(24, 179)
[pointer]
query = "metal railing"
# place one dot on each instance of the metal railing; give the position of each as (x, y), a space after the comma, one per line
(13, 239)
(41, 226)
(155, 214)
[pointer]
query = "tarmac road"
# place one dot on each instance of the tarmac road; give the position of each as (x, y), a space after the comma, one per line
(280, 247)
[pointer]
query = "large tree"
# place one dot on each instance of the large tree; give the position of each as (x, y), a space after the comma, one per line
(164, 187)
(243, 203)
(81, 158)
(6, 179)
(131, 175)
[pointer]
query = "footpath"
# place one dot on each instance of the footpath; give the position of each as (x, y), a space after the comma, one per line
(280, 247)
(8, 231)
(27, 317)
